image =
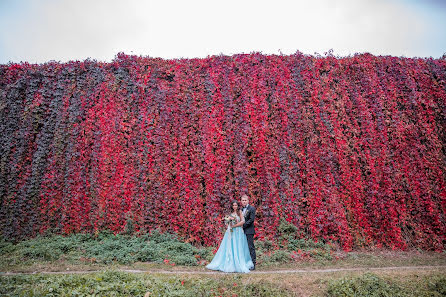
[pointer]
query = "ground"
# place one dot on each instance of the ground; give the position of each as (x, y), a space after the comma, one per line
(300, 278)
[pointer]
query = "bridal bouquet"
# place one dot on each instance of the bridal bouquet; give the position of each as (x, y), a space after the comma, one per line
(230, 220)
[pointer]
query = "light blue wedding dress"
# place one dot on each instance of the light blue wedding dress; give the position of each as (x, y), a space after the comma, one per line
(233, 253)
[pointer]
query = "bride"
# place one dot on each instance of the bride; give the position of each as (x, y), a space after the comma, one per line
(233, 253)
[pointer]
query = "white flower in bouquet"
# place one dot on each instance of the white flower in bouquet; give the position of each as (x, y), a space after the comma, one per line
(230, 221)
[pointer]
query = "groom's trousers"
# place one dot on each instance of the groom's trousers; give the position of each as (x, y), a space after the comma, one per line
(252, 250)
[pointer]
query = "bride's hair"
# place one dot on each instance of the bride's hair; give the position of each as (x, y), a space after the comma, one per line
(232, 203)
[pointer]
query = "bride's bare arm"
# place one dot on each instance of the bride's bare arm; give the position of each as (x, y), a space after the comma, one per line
(239, 224)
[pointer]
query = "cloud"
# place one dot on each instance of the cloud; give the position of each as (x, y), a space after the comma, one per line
(39, 31)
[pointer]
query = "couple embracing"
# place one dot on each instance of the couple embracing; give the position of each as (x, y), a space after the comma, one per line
(237, 252)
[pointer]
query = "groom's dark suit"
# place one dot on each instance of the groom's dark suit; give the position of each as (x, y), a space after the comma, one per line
(248, 228)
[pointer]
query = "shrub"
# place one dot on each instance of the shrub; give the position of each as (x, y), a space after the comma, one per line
(278, 256)
(285, 228)
(264, 245)
(106, 248)
(306, 244)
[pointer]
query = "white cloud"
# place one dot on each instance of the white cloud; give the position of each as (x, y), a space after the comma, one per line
(74, 30)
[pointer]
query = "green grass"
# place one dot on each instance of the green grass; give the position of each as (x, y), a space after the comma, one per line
(113, 283)
(372, 285)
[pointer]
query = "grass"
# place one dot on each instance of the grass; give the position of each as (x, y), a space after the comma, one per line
(407, 283)
(412, 283)
(370, 284)
(114, 283)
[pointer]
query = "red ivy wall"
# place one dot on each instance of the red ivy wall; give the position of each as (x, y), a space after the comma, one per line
(348, 149)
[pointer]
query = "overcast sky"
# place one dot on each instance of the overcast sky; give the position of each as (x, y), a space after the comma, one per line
(42, 30)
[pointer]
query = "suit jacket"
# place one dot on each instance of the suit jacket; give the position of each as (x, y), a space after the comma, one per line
(250, 216)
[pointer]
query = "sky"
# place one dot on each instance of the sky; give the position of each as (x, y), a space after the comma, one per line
(38, 31)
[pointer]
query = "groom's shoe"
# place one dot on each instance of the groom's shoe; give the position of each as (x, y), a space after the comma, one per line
(252, 268)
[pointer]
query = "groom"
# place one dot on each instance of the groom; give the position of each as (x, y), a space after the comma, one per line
(249, 212)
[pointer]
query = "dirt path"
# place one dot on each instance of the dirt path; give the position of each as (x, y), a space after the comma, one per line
(439, 267)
